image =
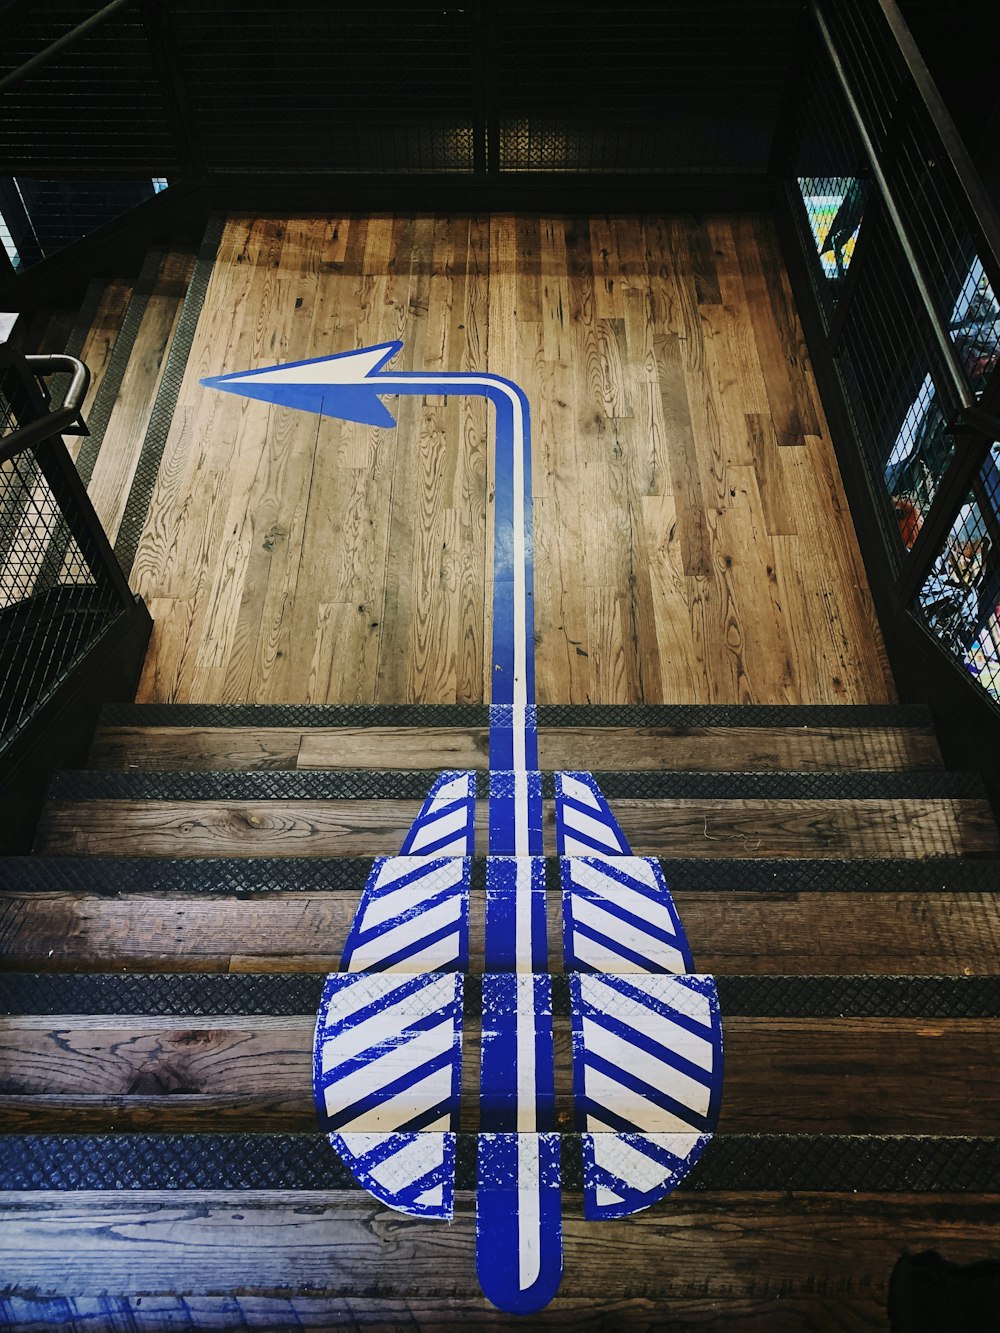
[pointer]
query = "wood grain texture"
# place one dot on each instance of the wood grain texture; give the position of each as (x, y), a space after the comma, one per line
(250, 1073)
(925, 934)
(739, 749)
(709, 827)
(683, 552)
(845, 1313)
(708, 1247)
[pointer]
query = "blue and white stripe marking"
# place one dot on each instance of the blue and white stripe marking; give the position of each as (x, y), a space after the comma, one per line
(647, 1037)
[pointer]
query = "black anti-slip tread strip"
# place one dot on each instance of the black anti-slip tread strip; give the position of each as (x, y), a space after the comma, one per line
(835, 1163)
(151, 455)
(193, 995)
(240, 876)
(673, 716)
(415, 784)
(107, 394)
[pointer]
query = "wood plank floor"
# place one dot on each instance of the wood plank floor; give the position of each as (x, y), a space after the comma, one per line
(692, 537)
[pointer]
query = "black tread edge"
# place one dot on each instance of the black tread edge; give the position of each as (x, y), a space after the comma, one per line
(151, 454)
(85, 317)
(241, 876)
(549, 715)
(192, 995)
(414, 784)
(836, 1163)
(107, 394)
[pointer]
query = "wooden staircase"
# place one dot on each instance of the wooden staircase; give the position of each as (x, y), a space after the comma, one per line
(165, 948)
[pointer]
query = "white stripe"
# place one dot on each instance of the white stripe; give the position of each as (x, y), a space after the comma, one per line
(529, 1210)
(400, 1110)
(671, 991)
(623, 1101)
(639, 904)
(523, 961)
(402, 901)
(525, 1040)
(387, 1026)
(615, 1155)
(593, 954)
(432, 828)
(589, 826)
(402, 1052)
(442, 953)
(698, 1050)
(623, 933)
(412, 931)
(423, 1153)
(632, 1060)
(455, 790)
(443, 875)
(460, 847)
(348, 997)
(640, 868)
(578, 790)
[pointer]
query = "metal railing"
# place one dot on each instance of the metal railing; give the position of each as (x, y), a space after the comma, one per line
(61, 587)
(902, 250)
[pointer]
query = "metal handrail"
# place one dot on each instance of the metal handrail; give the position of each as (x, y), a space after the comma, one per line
(946, 351)
(15, 76)
(53, 423)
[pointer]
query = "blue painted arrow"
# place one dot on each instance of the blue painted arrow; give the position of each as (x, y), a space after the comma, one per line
(519, 1226)
(647, 1036)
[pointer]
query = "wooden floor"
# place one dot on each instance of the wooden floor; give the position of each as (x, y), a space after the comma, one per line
(692, 538)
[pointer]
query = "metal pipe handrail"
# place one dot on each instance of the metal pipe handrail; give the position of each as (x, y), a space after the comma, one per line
(981, 208)
(15, 76)
(949, 361)
(37, 432)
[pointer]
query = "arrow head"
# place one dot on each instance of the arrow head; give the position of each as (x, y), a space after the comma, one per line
(345, 385)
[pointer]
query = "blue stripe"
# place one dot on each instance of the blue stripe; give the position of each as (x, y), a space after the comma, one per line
(621, 875)
(388, 1091)
(648, 1046)
(498, 1228)
(499, 1070)
(647, 1092)
(562, 833)
(405, 1196)
(659, 1006)
(611, 946)
(338, 983)
(458, 964)
(375, 892)
(396, 1041)
(501, 954)
(613, 908)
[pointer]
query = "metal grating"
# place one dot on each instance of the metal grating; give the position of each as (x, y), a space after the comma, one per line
(831, 176)
(190, 995)
(96, 109)
(54, 603)
(657, 89)
(378, 87)
(834, 1163)
(959, 600)
(899, 408)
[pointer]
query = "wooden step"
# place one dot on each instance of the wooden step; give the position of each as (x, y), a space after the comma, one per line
(687, 738)
(324, 1258)
(165, 952)
(797, 933)
(358, 828)
(293, 915)
(912, 1056)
